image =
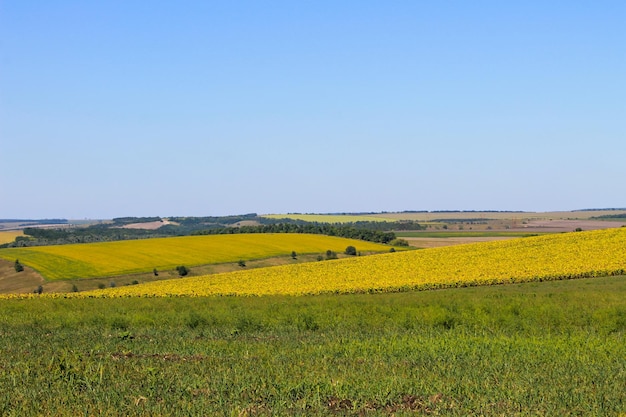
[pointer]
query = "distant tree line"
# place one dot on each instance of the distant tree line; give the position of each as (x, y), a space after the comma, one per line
(368, 225)
(620, 216)
(339, 230)
(122, 221)
(381, 232)
(40, 221)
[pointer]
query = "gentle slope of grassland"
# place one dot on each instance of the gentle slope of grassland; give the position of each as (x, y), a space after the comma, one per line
(133, 256)
(545, 349)
(550, 257)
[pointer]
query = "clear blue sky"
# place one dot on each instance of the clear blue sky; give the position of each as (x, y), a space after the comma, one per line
(142, 108)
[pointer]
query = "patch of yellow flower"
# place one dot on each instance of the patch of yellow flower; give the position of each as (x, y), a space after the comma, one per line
(549, 257)
(562, 256)
(94, 260)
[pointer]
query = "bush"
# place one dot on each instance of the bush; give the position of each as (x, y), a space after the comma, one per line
(293, 255)
(74, 288)
(38, 290)
(399, 242)
(330, 254)
(241, 263)
(351, 250)
(155, 272)
(18, 266)
(182, 270)
(101, 286)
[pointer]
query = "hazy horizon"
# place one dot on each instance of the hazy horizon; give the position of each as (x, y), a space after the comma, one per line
(327, 213)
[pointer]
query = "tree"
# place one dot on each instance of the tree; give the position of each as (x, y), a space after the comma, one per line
(399, 242)
(293, 255)
(155, 272)
(18, 266)
(182, 270)
(241, 263)
(351, 250)
(331, 254)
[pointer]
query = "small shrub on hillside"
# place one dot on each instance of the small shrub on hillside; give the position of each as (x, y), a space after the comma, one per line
(38, 290)
(182, 270)
(293, 255)
(101, 286)
(351, 250)
(18, 266)
(74, 288)
(241, 263)
(155, 272)
(330, 254)
(399, 242)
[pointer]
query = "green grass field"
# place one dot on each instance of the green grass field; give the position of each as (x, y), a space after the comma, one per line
(544, 349)
(135, 256)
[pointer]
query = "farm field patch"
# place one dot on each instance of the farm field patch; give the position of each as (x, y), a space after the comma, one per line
(331, 218)
(518, 216)
(445, 235)
(134, 256)
(549, 257)
(7, 236)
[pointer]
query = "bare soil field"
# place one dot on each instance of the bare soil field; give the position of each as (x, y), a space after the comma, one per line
(498, 215)
(12, 282)
(563, 225)
(147, 226)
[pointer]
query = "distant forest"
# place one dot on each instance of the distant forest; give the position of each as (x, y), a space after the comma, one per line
(381, 232)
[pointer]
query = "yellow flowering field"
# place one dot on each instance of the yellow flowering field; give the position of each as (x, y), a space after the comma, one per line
(562, 256)
(133, 256)
(7, 236)
(331, 218)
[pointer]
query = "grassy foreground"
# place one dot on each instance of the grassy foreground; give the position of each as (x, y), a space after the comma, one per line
(551, 348)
